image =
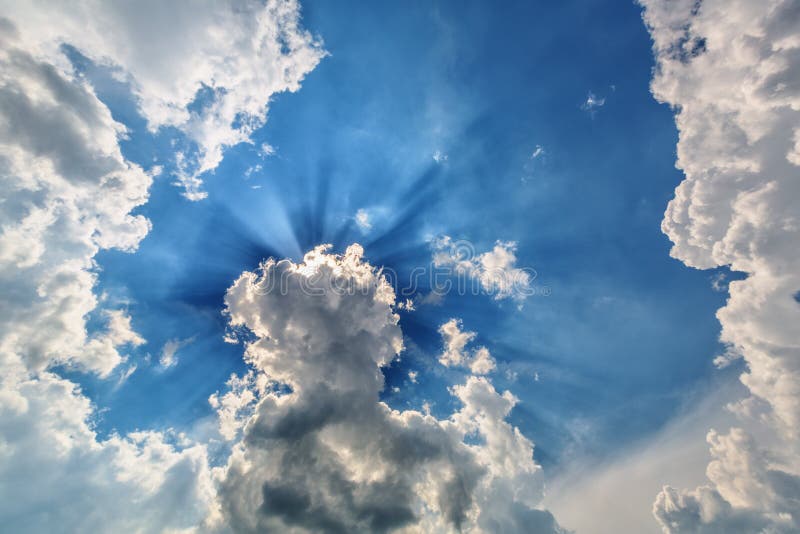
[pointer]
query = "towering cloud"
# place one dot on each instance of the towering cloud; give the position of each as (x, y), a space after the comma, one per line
(319, 451)
(730, 70)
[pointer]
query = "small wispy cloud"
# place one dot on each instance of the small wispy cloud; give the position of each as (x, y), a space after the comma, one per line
(439, 156)
(267, 150)
(253, 169)
(362, 220)
(592, 103)
(537, 152)
(169, 352)
(125, 375)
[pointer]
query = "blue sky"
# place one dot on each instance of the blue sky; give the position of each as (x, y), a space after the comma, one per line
(547, 129)
(626, 330)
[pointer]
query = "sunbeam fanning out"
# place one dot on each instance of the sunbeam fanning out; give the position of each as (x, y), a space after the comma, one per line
(433, 267)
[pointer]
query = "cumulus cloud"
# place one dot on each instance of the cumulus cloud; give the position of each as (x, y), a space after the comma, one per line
(68, 193)
(729, 68)
(207, 68)
(495, 271)
(57, 475)
(66, 197)
(746, 493)
(321, 452)
(479, 360)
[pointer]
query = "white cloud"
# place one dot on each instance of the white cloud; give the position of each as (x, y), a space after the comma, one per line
(538, 152)
(66, 197)
(169, 352)
(407, 305)
(234, 56)
(592, 103)
(728, 68)
(323, 453)
(439, 156)
(67, 194)
(267, 150)
(482, 362)
(362, 220)
(57, 475)
(494, 270)
(455, 353)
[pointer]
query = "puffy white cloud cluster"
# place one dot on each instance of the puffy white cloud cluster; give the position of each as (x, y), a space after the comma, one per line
(730, 70)
(479, 360)
(67, 193)
(747, 493)
(319, 451)
(206, 67)
(495, 271)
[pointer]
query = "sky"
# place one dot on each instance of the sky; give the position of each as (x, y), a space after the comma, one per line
(400, 267)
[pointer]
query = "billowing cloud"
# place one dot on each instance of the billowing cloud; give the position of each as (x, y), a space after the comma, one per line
(321, 452)
(495, 271)
(68, 193)
(207, 68)
(729, 68)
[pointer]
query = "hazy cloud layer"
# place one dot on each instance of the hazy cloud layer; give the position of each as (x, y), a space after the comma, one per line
(730, 69)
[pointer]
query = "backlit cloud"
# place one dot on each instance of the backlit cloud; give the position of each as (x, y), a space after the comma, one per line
(321, 452)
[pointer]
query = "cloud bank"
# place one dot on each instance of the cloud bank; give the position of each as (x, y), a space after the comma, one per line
(730, 70)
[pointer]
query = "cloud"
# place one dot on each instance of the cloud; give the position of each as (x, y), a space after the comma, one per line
(727, 69)
(592, 103)
(67, 194)
(207, 68)
(67, 197)
(321, 452)
(439, 156)
(362, 220)
(479, 360)
(495, 271)
(616, 494)
(169, 352)
(745, 493)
